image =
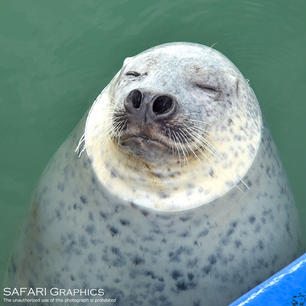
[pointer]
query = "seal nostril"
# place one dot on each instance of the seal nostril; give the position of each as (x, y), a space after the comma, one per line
(162, 105)
(135, 98)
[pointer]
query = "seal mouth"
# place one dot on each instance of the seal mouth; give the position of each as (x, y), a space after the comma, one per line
(142, 140)
(146, 143)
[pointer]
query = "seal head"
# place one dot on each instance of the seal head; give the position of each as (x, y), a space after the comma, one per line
(177, 120)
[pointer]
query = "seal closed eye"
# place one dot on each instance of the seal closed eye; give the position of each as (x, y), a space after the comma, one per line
(207, 88)
(133, 73)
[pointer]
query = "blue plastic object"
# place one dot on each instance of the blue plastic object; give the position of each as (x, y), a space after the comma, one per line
(285, 288)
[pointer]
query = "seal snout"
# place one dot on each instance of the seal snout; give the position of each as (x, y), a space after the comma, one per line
(142, 106)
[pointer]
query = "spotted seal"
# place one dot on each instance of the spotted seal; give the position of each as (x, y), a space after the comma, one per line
(175, 194)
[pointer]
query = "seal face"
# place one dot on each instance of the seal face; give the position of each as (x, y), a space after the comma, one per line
(179, 199)
(176, 108)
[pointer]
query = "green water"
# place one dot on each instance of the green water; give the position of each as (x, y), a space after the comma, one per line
(56, 56)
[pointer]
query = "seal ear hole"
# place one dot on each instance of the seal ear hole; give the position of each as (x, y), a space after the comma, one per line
(207, 88)
(133, 73)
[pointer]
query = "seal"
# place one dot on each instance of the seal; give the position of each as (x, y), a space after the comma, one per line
(175, 194)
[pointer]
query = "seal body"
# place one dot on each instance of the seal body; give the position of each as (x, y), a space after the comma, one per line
(153, 226)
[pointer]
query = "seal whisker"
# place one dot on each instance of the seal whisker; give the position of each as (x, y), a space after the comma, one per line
(120, 131)
(187, 144)
(212, 46)
(81, 143)
(208, 145)
(116, 128)
(199, 148)
(177, 146)
(110, 129)
(244, 184)
(182, 148)
(201, 139)
(197, 129)
(171, 143)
